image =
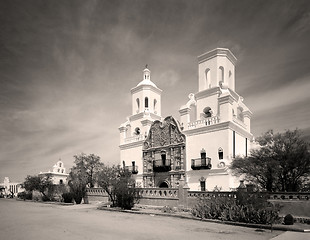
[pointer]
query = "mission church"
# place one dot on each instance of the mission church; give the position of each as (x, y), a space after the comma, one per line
(214, 127)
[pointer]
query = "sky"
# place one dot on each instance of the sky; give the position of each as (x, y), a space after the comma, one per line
(67, 67)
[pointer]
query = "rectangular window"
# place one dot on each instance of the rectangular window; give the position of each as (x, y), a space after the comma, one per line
(203, 186)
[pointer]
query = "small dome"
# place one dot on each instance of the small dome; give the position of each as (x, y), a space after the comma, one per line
(147, 82)
(146, 78)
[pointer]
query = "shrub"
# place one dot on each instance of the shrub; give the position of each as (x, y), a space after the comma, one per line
(236, 210)
(25, 195)
(67, 197)
(45, 198)
(78, 196)
(126, 197)
(288, 219)
(168, 209)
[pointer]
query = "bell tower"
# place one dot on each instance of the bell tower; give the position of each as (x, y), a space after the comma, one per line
(146, 108)
(146, 96)
(216, 68)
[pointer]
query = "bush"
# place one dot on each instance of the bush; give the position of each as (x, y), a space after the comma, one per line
(45, 198)
(25, 195)
(126, 197)
(168, 209)
(78, 196)
(67, 197)
(244, 209)
(288, 219)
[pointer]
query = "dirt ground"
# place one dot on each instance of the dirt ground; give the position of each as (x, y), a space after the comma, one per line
(31, 220)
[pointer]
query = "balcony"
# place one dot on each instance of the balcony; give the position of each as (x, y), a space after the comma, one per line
(201, 163)
(162, 165)
(204, 122)
(132, 169)
(135, 138)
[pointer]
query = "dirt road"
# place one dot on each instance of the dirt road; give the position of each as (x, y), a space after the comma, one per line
(32, 221)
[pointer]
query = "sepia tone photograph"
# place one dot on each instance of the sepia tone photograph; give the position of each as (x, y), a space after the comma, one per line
(154, 119)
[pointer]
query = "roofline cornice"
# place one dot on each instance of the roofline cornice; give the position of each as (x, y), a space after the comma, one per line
(145, 87)
(224, 52)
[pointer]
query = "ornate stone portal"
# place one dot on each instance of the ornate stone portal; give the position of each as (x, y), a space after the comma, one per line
(164, 155)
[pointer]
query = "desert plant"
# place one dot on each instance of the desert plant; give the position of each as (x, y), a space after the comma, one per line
(67, 197)
(119, 185)
(230, 209)
(25, 195)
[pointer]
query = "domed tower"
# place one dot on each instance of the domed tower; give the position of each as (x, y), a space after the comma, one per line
(146, 108)
(146, 96)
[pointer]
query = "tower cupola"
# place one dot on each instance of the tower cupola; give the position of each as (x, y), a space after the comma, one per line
(146, 73)
(147, 78)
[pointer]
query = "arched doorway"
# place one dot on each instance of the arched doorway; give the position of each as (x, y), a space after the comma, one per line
(163, 185)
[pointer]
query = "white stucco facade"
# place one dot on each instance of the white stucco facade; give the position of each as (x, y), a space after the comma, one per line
(146, 108)
(8, 188)
(215, 122)
(58, 174)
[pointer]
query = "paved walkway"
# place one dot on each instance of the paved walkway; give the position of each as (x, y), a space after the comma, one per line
(292, 236)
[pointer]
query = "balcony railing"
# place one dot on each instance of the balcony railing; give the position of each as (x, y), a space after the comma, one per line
(162, 165)
(134, 138)
(132, 169)
(201, 163)
(204, 122)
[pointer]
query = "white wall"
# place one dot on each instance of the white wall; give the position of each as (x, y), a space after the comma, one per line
(211, 142)
(132, 154)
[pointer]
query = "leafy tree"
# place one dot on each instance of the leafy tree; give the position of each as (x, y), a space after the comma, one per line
(280, 164)
(78, 180)
(40, 183)
(91, 163)
(119, 185)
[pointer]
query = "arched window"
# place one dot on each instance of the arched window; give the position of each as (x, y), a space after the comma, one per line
(59, 164)
(163, 157)
(208, 78)
(207, 112)
(220, 152)
(203, 154)
(61, 181)
(221, 74)
(138, 104)
(155, 102)
(128, 130)
(137, 131)
(146, 102)
(202, 181)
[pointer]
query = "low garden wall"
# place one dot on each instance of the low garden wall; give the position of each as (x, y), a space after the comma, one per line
(159, 196)
(297, 204)
(97, 194)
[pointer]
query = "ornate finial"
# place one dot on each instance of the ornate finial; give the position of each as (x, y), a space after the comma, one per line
(146, 66)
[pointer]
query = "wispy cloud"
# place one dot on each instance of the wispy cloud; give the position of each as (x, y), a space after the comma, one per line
(280, 97)
(67, 69)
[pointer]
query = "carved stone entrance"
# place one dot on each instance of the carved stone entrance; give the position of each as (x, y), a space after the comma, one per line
(163, 185)
(164, 154)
